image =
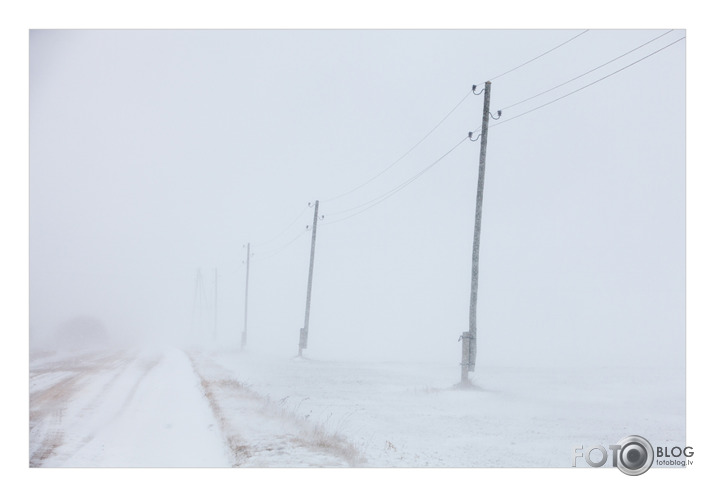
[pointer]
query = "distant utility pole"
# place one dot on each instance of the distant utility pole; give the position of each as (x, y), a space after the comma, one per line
(197, 318)
(303, 341)
(215, 303)
(244, 335)
(469, 339)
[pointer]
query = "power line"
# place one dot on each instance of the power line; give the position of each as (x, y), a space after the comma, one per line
(283, 231)
(381, 198)
(444, 119)
(539, 56)
(586, 86)
(403, 155)
(587, 72)
(272, 253)
(378, 200)
(400, 186)
(277, 250)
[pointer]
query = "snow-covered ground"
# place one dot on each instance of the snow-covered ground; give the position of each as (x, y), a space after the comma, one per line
(199, 408)
(119, 410)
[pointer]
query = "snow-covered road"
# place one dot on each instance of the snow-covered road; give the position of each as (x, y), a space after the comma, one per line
(141, 412)
(164, 409)
(203, 408)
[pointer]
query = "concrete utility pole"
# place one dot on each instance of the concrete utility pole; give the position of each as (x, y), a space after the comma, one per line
(469, 339)
(244, 335)
(303, 341)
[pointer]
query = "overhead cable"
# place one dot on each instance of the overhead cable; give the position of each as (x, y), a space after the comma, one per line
(403, 155)
(586, 86)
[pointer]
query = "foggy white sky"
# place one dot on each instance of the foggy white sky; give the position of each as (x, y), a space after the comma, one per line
(155, 153)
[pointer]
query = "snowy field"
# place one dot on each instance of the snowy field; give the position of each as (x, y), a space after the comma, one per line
(222, 408)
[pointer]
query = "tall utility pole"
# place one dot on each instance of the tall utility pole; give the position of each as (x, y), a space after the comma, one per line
(244, 335)
(215, 303)
(303, 341)
(469, 339)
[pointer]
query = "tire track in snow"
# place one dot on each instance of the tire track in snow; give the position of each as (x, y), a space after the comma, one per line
(163, 423)
(48, 404)
(49, 417)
